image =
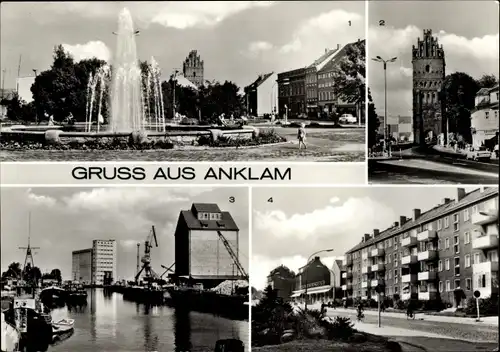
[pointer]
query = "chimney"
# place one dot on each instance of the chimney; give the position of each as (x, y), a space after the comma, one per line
(396, 224)
(376, 232)
(338, 46)
(362, 239)
(481, 189)
(416, 214)
(460, 194)
(326, 50)
(402, 220)
(446, 200)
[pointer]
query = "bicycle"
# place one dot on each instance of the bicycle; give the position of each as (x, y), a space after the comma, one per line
(360, 316)
(410, 315)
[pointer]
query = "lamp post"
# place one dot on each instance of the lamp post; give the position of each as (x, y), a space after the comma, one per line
(286, 82)
(379, 59)
(36, 112)
(174, 77)
(308, 260)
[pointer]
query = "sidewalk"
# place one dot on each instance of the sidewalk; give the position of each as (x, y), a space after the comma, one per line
(421, 316)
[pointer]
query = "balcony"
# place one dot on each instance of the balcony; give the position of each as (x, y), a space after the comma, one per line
(409, 278)
(427, 296)
(377, 252)
(344, 275)
(409, 259)
(405, 296)
(346, 287)
(348, 274)
(485, 268)
(366, 270)
(426, 235)
(427, 276)
(409, 241)
(485, 242)
(427, 255)
(378, 267)
(377, 282)
(481, 219)
(365, 284)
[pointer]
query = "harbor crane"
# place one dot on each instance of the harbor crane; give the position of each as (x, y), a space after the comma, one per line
(167, 269)
(233, 255)
(149, 273)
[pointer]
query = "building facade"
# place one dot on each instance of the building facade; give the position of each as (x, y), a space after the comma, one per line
(452, 246)
(200, 252)
(292, 93)
(327, 101)
(314, 283)
(282, 280)
(104, 261)
(484, 119)
(262, 95)
(81, 269)
(399, 127)
(193, 69)
(428, 76)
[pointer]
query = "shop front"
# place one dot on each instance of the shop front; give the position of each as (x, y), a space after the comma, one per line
(313, 283)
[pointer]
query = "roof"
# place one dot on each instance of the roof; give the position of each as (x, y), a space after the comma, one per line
(226, 223)
(82, 251)
(429, 215)
(184, 82)
(261, 79)
(483, 91)
(325, 58)
(334, 61)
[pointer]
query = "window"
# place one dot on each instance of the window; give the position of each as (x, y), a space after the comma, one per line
(439, 244)
(396, 289)
(390, 275)
(474, 209)
(396, 243)
(467, 260)
(466, 237)
(396, 276)
(440, 265)
(446, 243)
(390, 242)
(440, 286)
(468, 284)
(447, 264)
(457, 283)
(457, 266)
(456, 246)
(446, 222)
(390, 259)
(466, 214)
(486, 114)
(448, 287)
(477, 258)
(456, 226)
(481, 281)
(439, 224)
(395, 259)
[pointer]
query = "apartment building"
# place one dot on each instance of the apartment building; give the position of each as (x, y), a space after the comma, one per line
(484, 118)
(451, 246)
(103, 261)
(81, 269)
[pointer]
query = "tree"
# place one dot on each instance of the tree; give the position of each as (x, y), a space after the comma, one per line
(460, 92)
(487, 81)
(56, 275)
(373, 122)
(349, 76)
(13, 271)
(19, 110)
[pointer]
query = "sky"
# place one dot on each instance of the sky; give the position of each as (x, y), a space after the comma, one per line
(468, 31)
(301, 221)
(237, 40)
(68, 219)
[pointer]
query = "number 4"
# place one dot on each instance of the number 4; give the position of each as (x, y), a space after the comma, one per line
(270, 200)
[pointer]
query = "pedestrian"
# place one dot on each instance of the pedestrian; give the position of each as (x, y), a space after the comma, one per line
(301, 135)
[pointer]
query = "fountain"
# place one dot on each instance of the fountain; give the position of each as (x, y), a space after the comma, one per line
(137, 111)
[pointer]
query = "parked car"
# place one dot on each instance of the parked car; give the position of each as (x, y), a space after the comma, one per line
(347, 118)
(479, 154)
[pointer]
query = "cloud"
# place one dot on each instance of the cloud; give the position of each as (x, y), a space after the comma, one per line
(337, 225)
(39, 200)
(474, 56)
(89, 50)
(182, 15)
(259, 46)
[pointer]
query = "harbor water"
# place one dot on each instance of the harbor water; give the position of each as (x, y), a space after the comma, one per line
(109, 323)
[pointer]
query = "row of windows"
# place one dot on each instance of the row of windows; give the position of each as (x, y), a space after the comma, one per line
(442, 223)
(429, 84)
(291, 90)
(487, 114)
(325, 75)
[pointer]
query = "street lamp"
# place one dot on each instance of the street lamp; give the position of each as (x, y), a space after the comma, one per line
(36, 112)
(308, 260)
(379, 59)
(286, 82)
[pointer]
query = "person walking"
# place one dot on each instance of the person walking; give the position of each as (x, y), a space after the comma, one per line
(301, 135)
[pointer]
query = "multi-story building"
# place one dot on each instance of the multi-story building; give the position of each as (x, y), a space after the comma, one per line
(82, 266)
(312, 80)
(104, 261)
(484, 119)
(200, 251)
(314, 282)
(193, 69)
(292, 93)
(327, 101)
(451, 246)
(428, 77)
(262, 95)
(282, 280)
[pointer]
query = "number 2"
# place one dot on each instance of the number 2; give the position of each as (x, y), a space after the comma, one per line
(381, 23)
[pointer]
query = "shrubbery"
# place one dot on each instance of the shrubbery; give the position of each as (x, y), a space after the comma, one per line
(264, 137)
(487, 306)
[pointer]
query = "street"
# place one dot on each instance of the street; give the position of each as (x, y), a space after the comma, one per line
(426, 334)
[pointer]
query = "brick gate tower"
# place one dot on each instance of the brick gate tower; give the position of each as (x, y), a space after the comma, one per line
(428, 78)
(192, 68)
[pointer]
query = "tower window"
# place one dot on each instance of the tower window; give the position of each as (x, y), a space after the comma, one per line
(194, 74)
(427, 68)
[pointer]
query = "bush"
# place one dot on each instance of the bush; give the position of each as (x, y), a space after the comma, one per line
(487, 306)
(400, 304)
(340, 328)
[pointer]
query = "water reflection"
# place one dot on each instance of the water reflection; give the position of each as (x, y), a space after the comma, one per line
(108, 323)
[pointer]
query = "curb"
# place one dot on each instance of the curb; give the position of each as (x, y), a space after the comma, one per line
(224, 148)
(402, 343)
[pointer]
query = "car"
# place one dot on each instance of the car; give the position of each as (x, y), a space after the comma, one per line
(480, 154)
(348, 118)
